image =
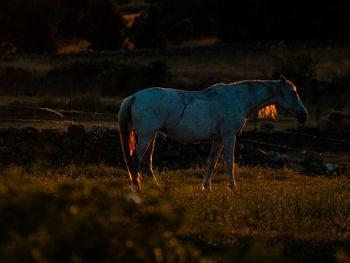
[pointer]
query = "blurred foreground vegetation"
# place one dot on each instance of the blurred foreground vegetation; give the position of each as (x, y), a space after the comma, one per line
(86, 213)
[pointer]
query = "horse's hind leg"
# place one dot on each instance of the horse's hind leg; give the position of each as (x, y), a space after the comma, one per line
(144, 141)
(215, 151)
(147, 159)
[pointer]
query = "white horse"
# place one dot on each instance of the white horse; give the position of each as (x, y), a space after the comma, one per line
(218, 113)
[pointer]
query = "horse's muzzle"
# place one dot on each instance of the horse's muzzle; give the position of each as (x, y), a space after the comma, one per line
(302, 117)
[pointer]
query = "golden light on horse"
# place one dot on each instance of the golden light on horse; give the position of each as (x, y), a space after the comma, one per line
(269, 112)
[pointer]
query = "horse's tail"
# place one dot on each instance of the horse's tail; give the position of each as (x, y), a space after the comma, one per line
(127, 138)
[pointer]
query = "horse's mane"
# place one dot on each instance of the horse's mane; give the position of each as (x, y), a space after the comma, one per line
(269, 112)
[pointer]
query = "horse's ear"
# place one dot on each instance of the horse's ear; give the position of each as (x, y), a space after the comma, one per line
(283, 80)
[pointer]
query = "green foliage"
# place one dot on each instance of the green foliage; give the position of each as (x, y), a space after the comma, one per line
(298, 66)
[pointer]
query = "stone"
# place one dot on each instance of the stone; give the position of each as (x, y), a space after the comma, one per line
(92, 130)
(25, 147)
(29, 134)
(76, 132)
(4, 149)
(330, 167)
(273, 156)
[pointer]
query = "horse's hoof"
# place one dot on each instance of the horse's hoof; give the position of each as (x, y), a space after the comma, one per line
(135, 187)
(206, 188)
(232, 187)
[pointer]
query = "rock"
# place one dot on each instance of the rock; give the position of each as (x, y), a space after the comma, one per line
(113, 134)
(13, 131)
(273, 156)
(285, 158)
(313, 165)
(102, 129)
(330, 167)
(76, 132)
(29, 134)
(25, 147)
(3, 131)
(11, 139)
(75, 146)
(315, 168)
(92, 130)
(50, 132)
(66, 143)
(4, 149)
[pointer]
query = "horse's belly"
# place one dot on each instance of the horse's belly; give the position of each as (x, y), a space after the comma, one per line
(193, 125)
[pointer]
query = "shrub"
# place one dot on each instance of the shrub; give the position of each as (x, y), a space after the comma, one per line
(107, 77)
(127, 79)
(18, 82)
(29, 25)
(297, 66)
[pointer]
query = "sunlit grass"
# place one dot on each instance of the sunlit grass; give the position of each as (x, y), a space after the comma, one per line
(271, 209)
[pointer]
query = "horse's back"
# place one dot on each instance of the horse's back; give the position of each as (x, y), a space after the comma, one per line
(153, 106)
(182, 115)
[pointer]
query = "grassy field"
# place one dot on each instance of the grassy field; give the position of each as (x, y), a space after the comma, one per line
(190, 69)
(84, 213)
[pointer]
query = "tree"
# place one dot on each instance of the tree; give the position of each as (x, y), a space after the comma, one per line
(99, 21)
(34, 26)
(29, 25)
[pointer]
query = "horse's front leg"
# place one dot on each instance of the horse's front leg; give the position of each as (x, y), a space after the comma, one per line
(229, 148)
(215, 151)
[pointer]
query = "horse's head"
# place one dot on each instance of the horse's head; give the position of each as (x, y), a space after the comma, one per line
(290, 101)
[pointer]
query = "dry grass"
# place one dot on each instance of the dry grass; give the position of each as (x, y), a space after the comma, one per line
(276, 215)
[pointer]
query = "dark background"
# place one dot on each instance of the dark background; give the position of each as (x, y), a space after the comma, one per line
(91, 49)
(37, 26)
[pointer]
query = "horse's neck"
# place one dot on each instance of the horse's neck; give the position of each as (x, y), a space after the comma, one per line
(260, 95)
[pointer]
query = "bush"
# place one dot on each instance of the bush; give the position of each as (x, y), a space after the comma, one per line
(29, 25)
(127, 79)
(299, 67)
(99, 21)
(337, 91)
(171, 21)
(18, 82)
(107, 77)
